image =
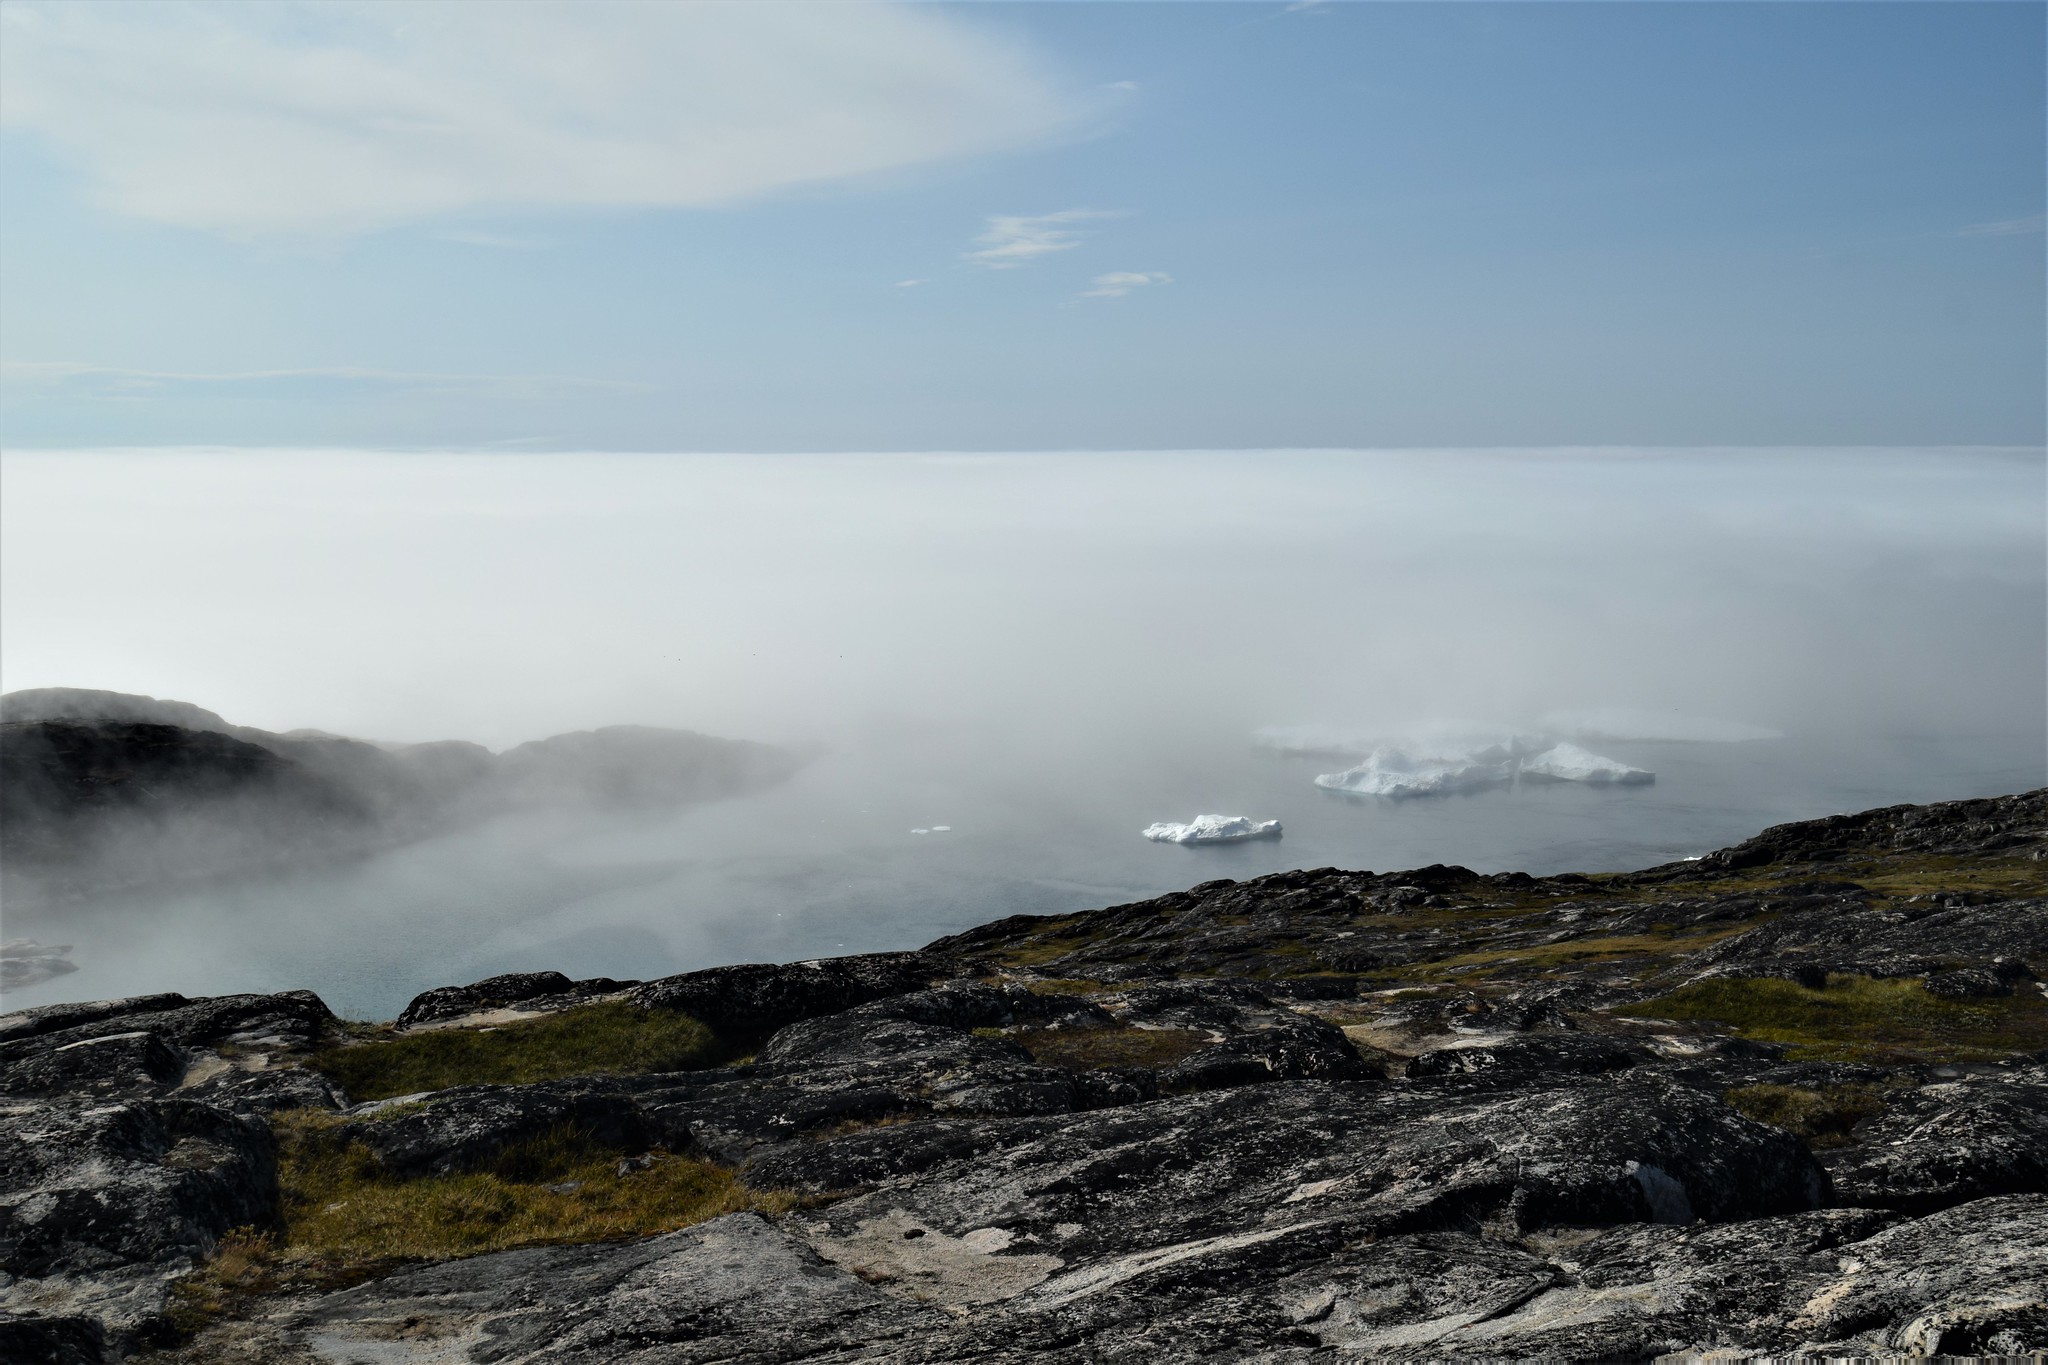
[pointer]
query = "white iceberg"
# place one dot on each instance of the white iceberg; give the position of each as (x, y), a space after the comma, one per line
(1443, 769)
(1396, 772)
(1213, 829)
(1565, 762)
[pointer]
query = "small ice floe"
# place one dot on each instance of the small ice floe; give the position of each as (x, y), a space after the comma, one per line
(920, 831)
(24, 962)
(1213, 829)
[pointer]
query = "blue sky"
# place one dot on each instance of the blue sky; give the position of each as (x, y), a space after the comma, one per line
(1128, 226)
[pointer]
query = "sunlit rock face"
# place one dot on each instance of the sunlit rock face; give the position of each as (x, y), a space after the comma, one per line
(1785, 1100)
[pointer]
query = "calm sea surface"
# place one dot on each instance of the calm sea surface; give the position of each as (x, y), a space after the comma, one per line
(827, 864)
(1045, 652)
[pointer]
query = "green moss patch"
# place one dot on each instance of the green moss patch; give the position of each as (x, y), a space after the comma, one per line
(1859, 1018)
(592, 1040)
(1825, 1117)
(1095, 1048)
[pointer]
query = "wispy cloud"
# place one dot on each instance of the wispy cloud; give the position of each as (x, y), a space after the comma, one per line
(67, 379)
(910, 284)
(322, 117)
(499, 241)
(2011, 227)
(1118, 283)
(1012, 240)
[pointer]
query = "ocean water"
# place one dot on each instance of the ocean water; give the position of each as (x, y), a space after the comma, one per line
(1046, 653)
(828, 864)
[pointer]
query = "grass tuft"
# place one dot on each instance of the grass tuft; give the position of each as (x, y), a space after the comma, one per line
(591, 1040)
(1859, 1018)
(346, 1220)
(340, 1206)
(1825, 1117)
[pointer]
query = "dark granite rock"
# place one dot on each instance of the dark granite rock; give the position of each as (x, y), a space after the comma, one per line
(473, 1127)
(450, 1002)
(1529, 1054)
(85, 1186)
(1951, 1142)
(754, 1000)
(290, 1020)
(110, 1065)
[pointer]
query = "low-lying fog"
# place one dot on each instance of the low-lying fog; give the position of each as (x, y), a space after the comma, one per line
(1045, 652)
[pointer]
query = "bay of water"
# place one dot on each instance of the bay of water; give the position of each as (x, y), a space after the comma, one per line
(1046, 652)
(827, 864)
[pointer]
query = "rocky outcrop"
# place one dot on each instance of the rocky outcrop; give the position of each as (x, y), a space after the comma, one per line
(1323, 1115)
(1991, 825)
(103, 1206)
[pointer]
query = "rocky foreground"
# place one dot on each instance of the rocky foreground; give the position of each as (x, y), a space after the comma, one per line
(1787, 1100)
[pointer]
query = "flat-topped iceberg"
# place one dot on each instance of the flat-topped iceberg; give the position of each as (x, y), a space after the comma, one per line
(1442, 769)
(1397, 772)
(1213, 829)
(1565, 762)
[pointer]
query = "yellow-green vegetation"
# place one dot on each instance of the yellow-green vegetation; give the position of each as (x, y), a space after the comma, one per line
(1091, 1049)
(344, 1218)
(1067, 985)
(591, 1040)
(1860, 1018)
(339, 1205)
(1826, 1116)
(1888, 874)
(1576, 952)
(1057, 939)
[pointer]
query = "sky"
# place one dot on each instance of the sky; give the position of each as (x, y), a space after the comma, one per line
(828, 227)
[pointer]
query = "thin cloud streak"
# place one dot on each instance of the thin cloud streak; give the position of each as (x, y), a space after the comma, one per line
(499, 241)
(63, 378)
(1118, 283)
(1013, 240)
(2011, 227)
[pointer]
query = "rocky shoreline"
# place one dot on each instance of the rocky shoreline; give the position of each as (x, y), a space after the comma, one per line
(1789, 1100)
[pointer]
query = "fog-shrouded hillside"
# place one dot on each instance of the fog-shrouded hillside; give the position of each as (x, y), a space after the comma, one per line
(102, 790)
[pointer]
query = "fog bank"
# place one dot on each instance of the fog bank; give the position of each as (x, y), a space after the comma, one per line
(1046, 654)
(410, 596)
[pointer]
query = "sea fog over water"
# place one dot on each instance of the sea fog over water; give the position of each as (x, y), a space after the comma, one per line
(1046, 652)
